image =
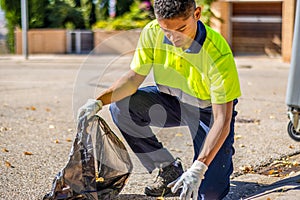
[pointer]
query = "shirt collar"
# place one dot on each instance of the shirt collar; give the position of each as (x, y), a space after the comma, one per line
(198, 40)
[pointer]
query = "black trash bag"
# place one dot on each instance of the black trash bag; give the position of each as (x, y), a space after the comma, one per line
(98, 166)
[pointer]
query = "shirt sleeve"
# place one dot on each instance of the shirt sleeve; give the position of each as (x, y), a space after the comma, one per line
(224, 80)
(142, 61)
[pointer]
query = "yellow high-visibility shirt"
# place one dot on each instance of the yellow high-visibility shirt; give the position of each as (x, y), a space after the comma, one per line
(201, 75)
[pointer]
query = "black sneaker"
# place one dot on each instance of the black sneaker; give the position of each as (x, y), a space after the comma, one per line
(165, 176)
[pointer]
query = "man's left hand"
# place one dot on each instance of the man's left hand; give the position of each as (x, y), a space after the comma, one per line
(190, 181)
(89, 109)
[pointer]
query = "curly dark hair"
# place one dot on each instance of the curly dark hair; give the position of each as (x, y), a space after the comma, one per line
(167, 9)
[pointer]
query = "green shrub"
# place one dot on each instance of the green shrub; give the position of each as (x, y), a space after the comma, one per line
(135, 18)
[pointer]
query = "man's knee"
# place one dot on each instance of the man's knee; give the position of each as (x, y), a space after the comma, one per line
(119, 108)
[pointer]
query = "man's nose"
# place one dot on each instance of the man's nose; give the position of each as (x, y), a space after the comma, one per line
(173, 36)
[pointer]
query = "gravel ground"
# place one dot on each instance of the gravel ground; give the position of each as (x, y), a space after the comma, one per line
(37, 99)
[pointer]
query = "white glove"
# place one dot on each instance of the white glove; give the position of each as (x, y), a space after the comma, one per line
(190, 180)
(89, 109)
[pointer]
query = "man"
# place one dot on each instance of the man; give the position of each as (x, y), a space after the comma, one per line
(196, 86)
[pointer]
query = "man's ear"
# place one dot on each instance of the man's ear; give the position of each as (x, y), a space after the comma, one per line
(197, 13)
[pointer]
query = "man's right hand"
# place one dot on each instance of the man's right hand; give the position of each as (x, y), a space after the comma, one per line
(89, 109)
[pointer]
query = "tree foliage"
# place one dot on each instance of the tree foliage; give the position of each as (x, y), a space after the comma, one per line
(122, 7)
(88, 9)
(12, 10)
(42, 14)
(82, 14)
(60, 14)
(136, 17)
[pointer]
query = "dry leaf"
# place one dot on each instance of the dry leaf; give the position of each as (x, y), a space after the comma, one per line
(27, 153)
(268, 198)
(291, 147)
(100, 179)
(160, 198)
(178, 150)
(246, 169)
(179, 135)
(5, 150)
(188, 144)
(69, 140)
(7, 164)
(31, 108)
(236, 137)
(3, 129)
(257, 122)
(271, 172)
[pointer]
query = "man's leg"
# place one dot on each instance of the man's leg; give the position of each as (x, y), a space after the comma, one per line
(134, 115)
(216, 184)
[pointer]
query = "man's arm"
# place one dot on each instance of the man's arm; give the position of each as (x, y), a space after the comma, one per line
(123, 87)
(192, 178)
(218, 132)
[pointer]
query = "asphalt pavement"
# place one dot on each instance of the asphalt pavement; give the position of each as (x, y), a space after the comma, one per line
(39, 98)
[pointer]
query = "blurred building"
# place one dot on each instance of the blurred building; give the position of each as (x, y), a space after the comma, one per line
(257, 26)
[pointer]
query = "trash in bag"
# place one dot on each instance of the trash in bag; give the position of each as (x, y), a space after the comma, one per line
(98, 166)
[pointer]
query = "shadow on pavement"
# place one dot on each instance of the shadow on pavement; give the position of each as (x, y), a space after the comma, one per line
(246, 190)
(252, 190)
(144, 197)
(241, 189)
(133, 196)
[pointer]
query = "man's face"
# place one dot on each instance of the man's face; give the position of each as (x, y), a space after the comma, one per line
(181, 31)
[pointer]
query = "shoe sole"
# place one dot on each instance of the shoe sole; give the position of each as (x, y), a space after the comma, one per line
(150, 193)
(168, 193)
